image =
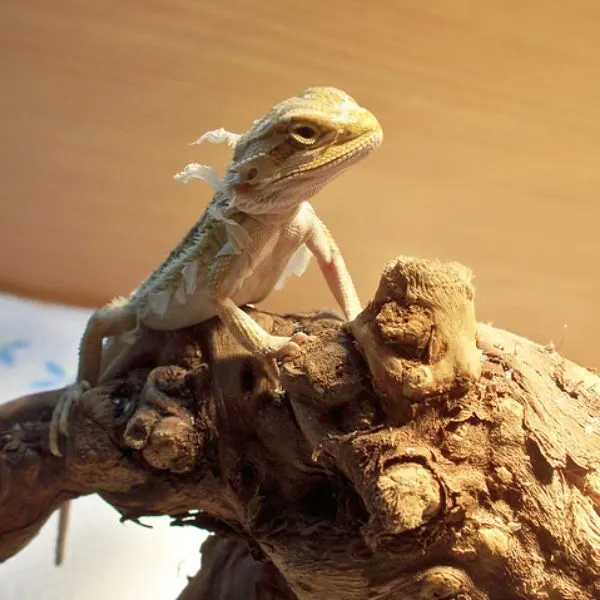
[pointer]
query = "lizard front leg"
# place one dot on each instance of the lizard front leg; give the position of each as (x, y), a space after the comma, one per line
(226, 274)
(320, 242)
(252, 336)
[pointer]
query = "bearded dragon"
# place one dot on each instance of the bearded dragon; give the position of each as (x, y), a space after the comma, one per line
(258, 229)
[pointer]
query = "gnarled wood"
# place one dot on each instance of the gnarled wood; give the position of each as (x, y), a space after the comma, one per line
(411, 454)
(229, 571)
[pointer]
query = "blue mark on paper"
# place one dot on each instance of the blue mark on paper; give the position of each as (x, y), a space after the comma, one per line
(56, 374)
(7, 351)
(11, 356)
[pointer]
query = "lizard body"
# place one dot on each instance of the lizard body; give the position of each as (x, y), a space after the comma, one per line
(257, 230)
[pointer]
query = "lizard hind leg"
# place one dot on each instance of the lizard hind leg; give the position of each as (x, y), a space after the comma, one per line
(116, 318)
(111, 320)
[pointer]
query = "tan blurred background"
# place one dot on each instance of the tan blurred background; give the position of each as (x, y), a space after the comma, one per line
(491, 113)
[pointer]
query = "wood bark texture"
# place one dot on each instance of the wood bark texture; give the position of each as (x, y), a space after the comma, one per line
(410, 454)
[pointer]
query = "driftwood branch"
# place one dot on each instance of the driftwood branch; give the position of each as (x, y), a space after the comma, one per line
(411, 454)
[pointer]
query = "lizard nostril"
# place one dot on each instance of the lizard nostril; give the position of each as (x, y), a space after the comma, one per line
(252, 173)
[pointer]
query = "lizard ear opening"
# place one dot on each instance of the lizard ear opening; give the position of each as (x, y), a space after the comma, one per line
(242, 177)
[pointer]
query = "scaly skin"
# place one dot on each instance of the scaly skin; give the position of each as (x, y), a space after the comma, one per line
(258, 229)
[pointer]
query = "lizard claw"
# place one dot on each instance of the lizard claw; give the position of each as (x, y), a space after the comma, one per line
(60, 416)
(299, 339)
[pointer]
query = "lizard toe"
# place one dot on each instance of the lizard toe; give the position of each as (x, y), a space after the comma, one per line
(288, 349)
(71, 396)
(301, 338)
(284, 346)
(59, 424)
(54, 432)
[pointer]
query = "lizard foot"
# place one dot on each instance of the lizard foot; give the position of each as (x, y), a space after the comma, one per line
(279, 346)
(60, 416)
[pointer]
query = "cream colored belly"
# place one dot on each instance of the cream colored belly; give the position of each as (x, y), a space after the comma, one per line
(199, 307)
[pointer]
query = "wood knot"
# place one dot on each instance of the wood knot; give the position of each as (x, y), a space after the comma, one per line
(439, 583)
(418, 335)
(408, 328)
(162, 426)
(407, 496)
(172, 445)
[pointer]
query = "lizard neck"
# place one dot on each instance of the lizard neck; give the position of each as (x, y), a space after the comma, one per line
(241, 212)
(272, 201)
(275, 218)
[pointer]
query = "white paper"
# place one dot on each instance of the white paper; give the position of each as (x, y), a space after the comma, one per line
(38, 350)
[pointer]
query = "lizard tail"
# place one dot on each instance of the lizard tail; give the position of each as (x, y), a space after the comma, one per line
(61, 540)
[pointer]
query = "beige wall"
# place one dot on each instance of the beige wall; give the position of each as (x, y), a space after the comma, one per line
(491, 112)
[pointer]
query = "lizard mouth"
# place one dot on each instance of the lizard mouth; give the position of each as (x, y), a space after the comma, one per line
(361, 148)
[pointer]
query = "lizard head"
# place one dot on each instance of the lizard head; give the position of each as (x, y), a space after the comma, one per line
(300, 145)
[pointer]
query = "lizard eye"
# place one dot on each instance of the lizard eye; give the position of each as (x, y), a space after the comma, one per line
(303, 135)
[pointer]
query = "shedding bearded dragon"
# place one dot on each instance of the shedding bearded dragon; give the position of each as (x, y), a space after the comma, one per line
(258, 229)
